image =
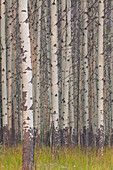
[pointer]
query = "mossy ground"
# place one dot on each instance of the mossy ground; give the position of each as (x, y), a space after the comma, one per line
(78, 159)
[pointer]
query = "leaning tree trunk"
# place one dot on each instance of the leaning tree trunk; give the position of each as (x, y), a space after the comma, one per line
(54, 62)
(28, 148)
(3, 68)
(100, 77)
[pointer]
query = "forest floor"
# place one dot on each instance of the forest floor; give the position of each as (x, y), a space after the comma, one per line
(78, 159)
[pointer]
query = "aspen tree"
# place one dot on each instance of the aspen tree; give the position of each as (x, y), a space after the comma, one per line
(77, 75)
(85, 63)
(66, 75)
(28, 148)
(100, 76)
(80, 116)
(3, 70)
(18, 76)
(63, 53)
(31, 14)
(38, 51)
(106, 75)
(71, 90)
(90, 74)
(14, 75)
(54, 62)
(95, 90)
(112, 71)
(10, 58)
(48, 70)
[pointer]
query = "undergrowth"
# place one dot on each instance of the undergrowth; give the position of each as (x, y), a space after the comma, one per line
(67, 158)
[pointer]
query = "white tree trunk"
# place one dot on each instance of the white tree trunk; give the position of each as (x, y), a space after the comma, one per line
(63, 53)
(54, 62)
(85, 59)
(100, 75)
(38, 50)
(3, 68)
(95, 89)
(28, 151)
(10, 58)
(71, 87)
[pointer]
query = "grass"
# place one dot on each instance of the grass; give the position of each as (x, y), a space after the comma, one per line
(78, 159)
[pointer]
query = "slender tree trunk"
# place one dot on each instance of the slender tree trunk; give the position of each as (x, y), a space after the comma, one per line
(28, 146)
(71, 90)
(54, 62)
(90, 51)
(85, 59)
(95, 89)
(100, 77)
(10, 58)
(112, 70)
(14, 75)
(18, 77)
(38, 51)
(3, 68)
(63, 53)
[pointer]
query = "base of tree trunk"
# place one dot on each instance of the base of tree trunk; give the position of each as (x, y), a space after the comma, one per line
(5, 135)
(28, 150)
(94, 140)
(65, 137)
(111, 140)
(100, 137)
(37, 138)
(47, 139)
(10, 137)
(1, 135)
(73, 138)
(85, 137)
(55, 138)
(91, 137)
(106, 140)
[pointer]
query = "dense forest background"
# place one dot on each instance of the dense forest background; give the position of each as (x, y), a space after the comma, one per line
(56, 74)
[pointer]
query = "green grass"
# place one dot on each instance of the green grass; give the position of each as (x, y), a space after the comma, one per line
(78, 159)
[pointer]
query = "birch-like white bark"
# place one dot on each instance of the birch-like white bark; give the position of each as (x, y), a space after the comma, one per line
(28, 151)
(54, 62)
(3, 68)
(37, 111)
(69, 56)
(63, 53)
(100, 75)
(85, 59)
(10, 58)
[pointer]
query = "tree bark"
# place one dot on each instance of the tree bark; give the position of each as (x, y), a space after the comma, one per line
(28, 143)
(100, 77)
(54, 63)
(3, 68)
(85, 60)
